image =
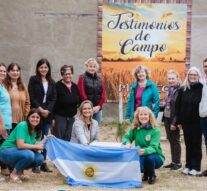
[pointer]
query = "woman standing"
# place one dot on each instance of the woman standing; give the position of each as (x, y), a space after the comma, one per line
(18, 94)
(187, 115)
(142, 93)
(42, 93)
(5, 115)
(20, 150)
(172, 131)
(147, 136)
(85, 129)
(67, 98)
(91, 87)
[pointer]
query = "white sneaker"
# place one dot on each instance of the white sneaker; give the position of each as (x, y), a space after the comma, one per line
(194, 172)
(186, 171)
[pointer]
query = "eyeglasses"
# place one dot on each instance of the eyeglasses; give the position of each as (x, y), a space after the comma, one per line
(193, 74)
(67, 74)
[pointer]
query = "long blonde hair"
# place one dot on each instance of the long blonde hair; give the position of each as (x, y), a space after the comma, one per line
(152, 119)
(80, 113)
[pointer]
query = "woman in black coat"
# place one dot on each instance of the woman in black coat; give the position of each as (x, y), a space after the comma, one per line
(42, 93)
(187, 115)
(69, 99)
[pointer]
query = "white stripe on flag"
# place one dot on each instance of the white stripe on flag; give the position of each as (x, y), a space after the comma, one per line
(99, 172)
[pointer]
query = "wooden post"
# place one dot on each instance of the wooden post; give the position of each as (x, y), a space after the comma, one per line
(121, 118)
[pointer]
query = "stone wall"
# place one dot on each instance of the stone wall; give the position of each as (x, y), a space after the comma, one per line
(199, 31)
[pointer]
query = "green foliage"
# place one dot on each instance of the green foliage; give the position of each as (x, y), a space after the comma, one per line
(121, 129)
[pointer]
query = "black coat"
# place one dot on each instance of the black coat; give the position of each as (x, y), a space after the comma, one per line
(36, 93)
(67, 102)
(187, 104)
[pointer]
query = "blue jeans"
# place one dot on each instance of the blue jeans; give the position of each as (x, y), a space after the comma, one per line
(98, 116)
(45, 131)
(203, 124)
(149, 163)
(20, 159)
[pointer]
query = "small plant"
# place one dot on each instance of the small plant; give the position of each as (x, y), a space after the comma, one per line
(121, 129)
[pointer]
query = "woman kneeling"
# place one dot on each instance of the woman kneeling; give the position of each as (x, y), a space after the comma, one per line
(85, 128)
(147, 136)
(20, 150)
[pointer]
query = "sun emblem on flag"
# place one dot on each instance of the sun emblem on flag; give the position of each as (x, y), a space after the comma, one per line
(89, 172)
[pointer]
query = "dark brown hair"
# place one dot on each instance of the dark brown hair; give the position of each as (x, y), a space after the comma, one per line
(48, 75)
(2, 64)
(38, 128)
(64, 68)
(205, 60)
(8, 80)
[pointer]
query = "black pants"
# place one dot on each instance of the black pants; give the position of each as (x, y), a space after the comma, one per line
(193, 138)
(63, 127)
(174, 139)
(2, 165)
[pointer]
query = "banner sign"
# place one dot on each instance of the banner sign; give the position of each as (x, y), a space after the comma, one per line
(150, 34)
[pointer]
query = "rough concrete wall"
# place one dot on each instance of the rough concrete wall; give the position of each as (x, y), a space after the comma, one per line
(199, 33)
(64, 31)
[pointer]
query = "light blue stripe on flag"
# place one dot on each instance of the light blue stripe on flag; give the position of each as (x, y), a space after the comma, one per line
(95, 166)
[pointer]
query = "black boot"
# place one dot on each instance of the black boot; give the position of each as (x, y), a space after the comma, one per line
(152, 179)
(204, 173)
(145, 176)
(45, 168)
(176, 166)
(36, 170)
(169, 165)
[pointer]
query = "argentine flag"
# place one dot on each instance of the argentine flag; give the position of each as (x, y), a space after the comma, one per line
(85, 165)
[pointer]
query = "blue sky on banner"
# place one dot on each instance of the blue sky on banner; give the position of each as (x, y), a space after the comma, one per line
(95, 166)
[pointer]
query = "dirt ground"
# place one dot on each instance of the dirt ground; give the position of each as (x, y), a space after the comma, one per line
(167, 180)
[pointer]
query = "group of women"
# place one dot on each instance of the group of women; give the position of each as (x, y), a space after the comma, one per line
(181, 110)
(27, 114)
